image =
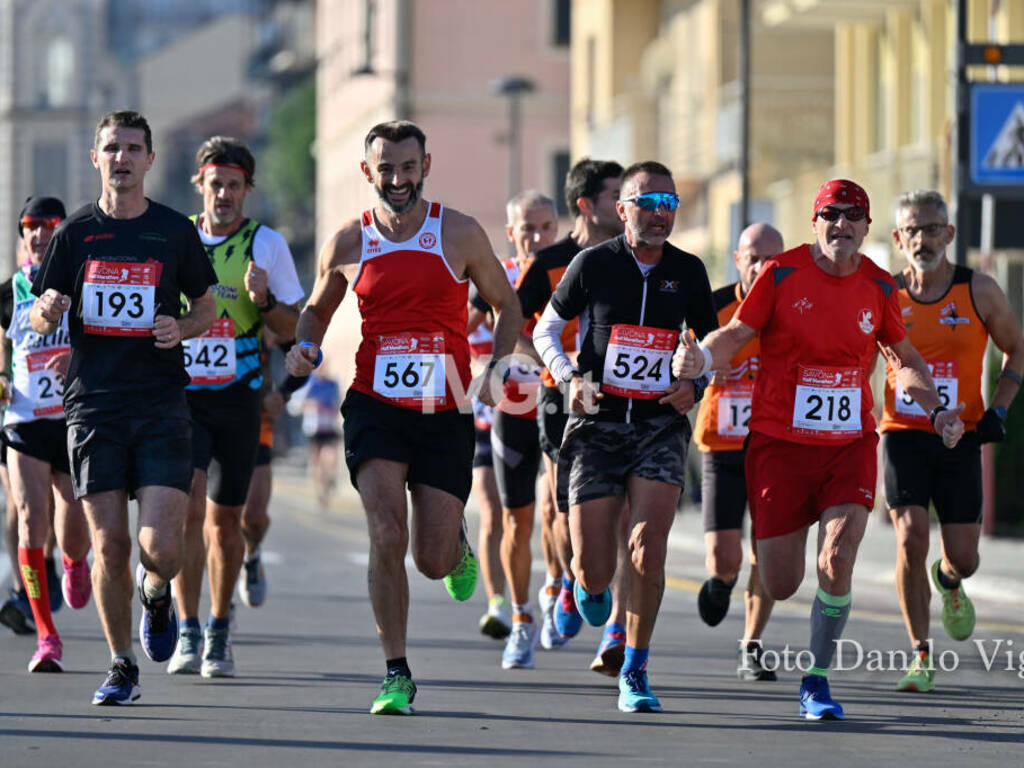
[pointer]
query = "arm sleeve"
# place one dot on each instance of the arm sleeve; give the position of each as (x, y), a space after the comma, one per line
(54, 272)
(759, 304)
(571, 296)
(195, 273)
(547, 340)
(701, 316)
(270, 252)
(6, 304)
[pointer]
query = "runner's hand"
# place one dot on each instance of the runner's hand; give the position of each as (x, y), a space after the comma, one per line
(583, 396)
(59, 363)
(681, 395)
(256, 284)
(5, 389)
(688, 360)
(53, 304)
(949, 426)
(301, 360)
(166, 331)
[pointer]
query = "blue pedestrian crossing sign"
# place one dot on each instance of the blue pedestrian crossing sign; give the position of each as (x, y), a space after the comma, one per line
(997, 135)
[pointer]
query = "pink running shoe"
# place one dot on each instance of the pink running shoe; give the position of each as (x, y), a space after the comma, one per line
(47, 655)
(76, 584)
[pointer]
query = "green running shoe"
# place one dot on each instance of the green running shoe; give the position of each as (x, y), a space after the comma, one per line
(957, 608)
(461, 582)
(395, 698)
(920, 676)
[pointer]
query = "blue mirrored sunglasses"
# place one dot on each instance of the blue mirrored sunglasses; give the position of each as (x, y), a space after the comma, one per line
(652, 201)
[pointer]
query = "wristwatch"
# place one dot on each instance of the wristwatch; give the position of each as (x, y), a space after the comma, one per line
(506, 372)
(935, 412)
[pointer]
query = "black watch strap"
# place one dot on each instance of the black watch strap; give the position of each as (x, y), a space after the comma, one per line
(935, 412)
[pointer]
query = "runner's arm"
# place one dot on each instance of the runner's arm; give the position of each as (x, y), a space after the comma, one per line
(486, 273)
(693, 360)
(202, 311)
(912, 373)
(547, 339)
(1004, 329)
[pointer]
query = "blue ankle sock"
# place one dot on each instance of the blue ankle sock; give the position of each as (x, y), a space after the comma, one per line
(215, 623)
(566, 582)
(613, 628)
(189, 624)
(636, 658)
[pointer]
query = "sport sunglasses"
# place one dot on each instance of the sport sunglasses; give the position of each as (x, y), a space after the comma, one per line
(652, 201)
(856, 213)
(33, 222)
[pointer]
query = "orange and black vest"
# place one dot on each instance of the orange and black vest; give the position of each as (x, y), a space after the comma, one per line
(725, 408)
(952, 338)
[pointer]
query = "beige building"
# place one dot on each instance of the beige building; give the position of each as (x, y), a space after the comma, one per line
(434, 62)
(660, 79)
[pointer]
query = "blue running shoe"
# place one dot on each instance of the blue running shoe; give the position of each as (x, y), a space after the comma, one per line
(816, 702)
(158, 627)
(567, 616)
(16, 613)
(594, 608)
(121, 685)
(635, 694)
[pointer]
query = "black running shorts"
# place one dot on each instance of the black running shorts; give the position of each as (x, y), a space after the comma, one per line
(483, 456)
(225, 436)
(552, 417)
(723, 490)
(43, 439)
(437, 447)
(134, 452)
(920, 470)
(516, 449)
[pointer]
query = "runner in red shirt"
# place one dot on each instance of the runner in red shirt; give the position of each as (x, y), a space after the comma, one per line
(821, 310)
(407, 418)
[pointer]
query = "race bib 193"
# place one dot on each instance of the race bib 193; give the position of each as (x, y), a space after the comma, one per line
(946, 384)
(827, 402)
(734, 409)
(119, 298)
(210, 358)
(638, 362)
(409, 368)
(45, 385)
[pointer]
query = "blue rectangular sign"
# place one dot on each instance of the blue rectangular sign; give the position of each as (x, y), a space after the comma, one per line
(997, 134)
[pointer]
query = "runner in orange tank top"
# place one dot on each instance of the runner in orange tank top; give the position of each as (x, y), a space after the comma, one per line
(949, 313)
(407, 419)
(821, 311)
(719, 434)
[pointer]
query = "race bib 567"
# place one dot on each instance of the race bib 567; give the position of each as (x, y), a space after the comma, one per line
(409, 368)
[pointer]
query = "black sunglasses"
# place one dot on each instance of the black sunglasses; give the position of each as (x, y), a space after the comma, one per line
(856, 213)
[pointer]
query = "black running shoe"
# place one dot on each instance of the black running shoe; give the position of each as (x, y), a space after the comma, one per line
(713, 601)
(750, 668)
(16, 613)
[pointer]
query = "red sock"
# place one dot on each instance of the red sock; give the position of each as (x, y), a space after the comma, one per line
(33, 576)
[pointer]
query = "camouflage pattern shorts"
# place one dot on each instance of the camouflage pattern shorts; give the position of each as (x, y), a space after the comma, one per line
(597, 457)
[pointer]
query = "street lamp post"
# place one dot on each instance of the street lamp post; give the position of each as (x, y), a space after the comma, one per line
(514, 87)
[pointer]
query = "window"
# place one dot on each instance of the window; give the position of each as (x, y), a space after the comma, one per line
(561, 27)
(559, 170)
(60, 65)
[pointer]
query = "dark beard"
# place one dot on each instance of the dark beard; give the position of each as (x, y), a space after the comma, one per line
(414, 197)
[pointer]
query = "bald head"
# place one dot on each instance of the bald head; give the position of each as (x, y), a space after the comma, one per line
(757, 243)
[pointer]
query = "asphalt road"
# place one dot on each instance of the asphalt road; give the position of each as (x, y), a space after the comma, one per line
(309, 665)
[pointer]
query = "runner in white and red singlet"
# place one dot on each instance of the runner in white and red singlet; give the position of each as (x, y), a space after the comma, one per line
(821, 310)
(407, 418)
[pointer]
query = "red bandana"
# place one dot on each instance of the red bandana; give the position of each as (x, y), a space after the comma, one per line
(841, 191)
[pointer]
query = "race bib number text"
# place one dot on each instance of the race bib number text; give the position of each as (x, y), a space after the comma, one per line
(45, 386)
(827, 402)
(734, 410)
(638, 362)
(409, 368)
(211, 358)
(119, 298)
